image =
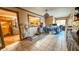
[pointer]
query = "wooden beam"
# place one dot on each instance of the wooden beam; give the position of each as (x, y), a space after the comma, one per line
(29, 11)
(61, 18)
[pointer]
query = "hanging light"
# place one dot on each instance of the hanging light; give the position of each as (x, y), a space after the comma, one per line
(46, 14)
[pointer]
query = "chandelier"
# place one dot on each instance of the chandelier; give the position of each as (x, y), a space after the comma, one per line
(46, 14)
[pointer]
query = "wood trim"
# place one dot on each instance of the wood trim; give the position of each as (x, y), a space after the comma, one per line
(32, 15)
(61, 18)
(19, 25)
(28, 20)
(3, 8)
(2, 39)
(29, 11)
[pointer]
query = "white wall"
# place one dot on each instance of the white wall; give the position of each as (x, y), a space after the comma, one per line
(61, 12)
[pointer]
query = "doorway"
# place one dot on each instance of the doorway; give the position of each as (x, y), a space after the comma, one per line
(61, 22)
(9, 27)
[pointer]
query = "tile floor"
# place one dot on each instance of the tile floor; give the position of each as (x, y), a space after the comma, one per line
(43, 42)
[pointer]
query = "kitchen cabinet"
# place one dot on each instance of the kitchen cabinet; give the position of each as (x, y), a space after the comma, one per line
(49, 20)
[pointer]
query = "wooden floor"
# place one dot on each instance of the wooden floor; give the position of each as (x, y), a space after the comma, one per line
(43, 42)
(11, 39)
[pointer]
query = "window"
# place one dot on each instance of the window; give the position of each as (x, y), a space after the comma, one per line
(34, 21)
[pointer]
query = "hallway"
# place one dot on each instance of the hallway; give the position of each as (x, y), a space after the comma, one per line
(42, 42)
(49, 29)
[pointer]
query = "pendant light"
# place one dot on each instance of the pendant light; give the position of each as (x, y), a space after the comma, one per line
(46, 14)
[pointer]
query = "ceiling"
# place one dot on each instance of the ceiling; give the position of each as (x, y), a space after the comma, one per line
(53, 11)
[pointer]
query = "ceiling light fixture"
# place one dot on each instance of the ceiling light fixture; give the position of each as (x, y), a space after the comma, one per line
(46, 14)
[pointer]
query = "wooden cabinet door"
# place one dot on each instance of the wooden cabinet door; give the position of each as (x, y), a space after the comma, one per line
(49, 20)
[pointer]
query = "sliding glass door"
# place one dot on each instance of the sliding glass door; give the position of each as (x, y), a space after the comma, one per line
(9, 27)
